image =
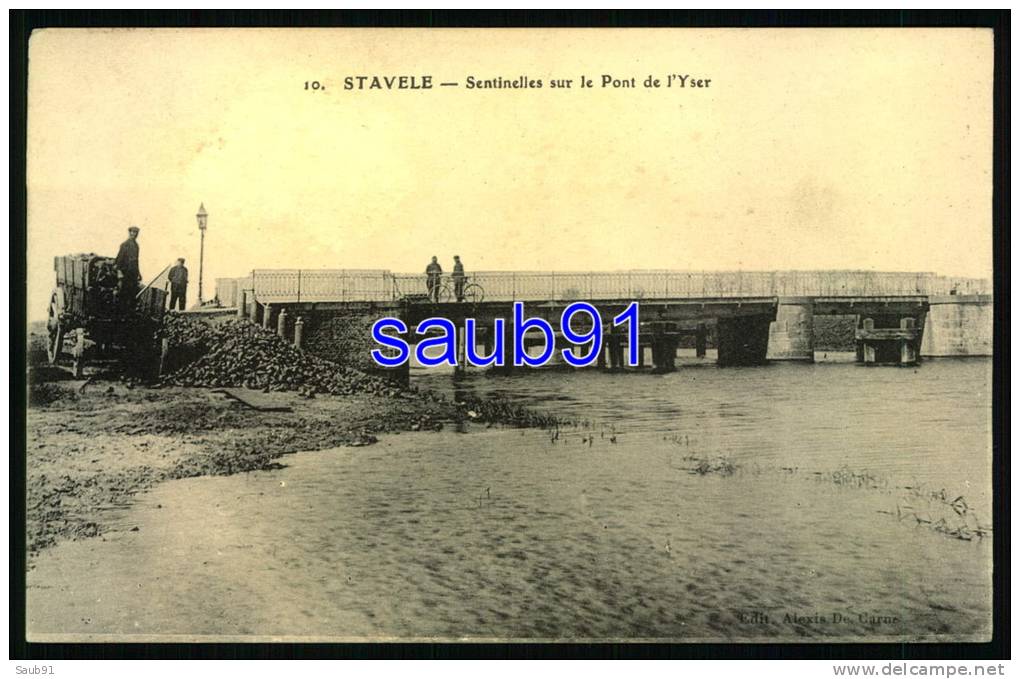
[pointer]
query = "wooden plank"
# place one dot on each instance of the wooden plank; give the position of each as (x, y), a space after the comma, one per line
(883, 334)
(257, 400)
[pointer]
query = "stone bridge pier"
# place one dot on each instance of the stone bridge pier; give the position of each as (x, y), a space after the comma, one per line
(792, 334)
(959, 325)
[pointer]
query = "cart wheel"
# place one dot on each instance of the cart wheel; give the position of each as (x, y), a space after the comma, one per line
(473, 293)
(55, 329)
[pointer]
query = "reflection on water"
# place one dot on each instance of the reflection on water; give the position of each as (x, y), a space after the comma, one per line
(604, 532)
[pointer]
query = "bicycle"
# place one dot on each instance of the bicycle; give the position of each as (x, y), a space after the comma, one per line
(472, 292)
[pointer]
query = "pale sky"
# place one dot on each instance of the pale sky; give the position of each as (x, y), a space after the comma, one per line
(810, 149)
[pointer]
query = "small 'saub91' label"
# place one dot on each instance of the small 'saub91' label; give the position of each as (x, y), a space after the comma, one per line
(440, 336)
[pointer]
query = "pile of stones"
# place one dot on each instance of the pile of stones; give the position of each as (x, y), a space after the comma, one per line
(242, 354)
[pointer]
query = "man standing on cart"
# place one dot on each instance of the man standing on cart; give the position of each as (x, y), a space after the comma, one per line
(127, 266)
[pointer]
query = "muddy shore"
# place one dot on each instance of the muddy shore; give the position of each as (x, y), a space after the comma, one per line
(90, 447)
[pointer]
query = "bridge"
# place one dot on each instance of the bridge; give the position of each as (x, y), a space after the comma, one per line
(751, 316)
(380, 285)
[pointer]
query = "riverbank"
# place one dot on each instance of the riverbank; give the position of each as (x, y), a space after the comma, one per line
(92, 446)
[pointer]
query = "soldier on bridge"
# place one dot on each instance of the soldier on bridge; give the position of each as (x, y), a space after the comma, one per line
(434, 272)
(458, 278)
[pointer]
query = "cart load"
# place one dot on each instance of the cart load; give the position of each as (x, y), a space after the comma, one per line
(93, 312)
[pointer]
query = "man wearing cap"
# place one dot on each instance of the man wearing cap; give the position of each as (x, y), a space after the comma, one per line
(127, 264)
(178, 284)
(458, 278)
(434, 274)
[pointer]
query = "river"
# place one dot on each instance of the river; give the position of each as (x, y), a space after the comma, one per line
(784, 502)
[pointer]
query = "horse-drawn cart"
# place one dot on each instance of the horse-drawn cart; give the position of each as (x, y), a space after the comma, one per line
(91, 306)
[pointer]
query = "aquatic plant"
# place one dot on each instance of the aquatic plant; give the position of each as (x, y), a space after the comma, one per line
(844, 476)
(933, 508)
(723, 466)
(677, 439)
(494, 409)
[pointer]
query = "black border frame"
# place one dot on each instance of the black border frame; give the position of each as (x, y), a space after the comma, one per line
(23, 22)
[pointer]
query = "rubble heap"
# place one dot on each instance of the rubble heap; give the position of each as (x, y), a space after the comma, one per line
(242, 354)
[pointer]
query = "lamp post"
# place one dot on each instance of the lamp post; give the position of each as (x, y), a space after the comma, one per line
(203, 219)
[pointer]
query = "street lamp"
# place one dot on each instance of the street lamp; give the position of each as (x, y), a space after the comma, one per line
(203, 218)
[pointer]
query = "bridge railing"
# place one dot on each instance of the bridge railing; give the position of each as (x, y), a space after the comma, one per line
(851, 283)
(557, 285)
(296, 285)
(321, 285)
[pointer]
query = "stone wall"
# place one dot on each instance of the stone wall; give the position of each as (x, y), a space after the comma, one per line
(835, 333)
(345, 338)
(958, 326)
